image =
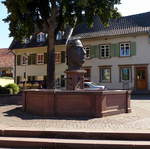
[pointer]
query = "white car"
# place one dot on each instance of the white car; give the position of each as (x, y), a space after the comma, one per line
(93, 86)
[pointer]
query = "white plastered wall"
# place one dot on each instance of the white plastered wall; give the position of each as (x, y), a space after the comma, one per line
(142, 57)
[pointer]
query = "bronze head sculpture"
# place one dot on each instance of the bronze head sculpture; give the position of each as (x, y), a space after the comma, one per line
(75, 54)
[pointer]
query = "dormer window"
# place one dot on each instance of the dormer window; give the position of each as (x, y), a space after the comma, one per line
(40, 37)
(26, 40)
(87, 49)
(60, 35)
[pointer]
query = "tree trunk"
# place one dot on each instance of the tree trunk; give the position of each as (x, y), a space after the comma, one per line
(51, 59)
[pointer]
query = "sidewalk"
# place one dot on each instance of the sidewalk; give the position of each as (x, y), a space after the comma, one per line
(12, 117)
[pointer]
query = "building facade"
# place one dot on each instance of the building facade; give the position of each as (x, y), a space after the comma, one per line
(31, 61)
(120, 62)
(6, 63)
(117, 56)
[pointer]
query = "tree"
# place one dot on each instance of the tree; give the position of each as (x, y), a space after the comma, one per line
(50, 16)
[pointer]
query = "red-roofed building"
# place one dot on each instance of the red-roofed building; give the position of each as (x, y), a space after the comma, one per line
(6, 63)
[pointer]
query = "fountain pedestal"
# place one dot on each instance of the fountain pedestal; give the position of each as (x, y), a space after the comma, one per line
(75, 79)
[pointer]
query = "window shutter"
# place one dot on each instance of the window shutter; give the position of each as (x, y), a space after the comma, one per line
(94, 51)
(133, 48)
(18, 79)
(45, 58)
(33, 78)
(115, 50)
(63, 56)
(29, 60)
(97, 52)
(45, 78)
(33, 58)
(18, 59)
(118, 49)
(29, 78)
(100, 53)
(100, 75)
(112, 50)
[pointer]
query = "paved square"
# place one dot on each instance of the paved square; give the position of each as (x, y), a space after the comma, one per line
(12, 117)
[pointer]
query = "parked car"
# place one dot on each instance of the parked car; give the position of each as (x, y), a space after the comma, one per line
(93, 86)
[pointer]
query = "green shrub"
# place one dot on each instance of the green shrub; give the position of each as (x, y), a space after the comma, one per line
(10, 91)
(13, 88)
(4, 90)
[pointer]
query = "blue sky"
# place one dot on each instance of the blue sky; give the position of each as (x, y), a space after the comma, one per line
(128, 7)
(4, 32)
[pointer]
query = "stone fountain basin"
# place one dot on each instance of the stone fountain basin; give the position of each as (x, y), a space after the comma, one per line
(80, 103)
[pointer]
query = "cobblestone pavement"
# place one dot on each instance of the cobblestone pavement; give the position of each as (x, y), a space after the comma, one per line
(11, 117)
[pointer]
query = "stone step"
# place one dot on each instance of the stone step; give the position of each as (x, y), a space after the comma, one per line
(72, 134)
(54, 143)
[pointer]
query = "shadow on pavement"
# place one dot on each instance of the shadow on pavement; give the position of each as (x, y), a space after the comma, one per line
(17, 112)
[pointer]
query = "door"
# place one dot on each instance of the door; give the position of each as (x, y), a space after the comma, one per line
(141, 78)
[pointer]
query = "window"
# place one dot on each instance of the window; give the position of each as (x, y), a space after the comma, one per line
(60, 35)
(125, 73)
(87, 75)
(26, 40)
(31, 78)
(105, 74)
(40, 37)
(105, 51)
(87, 49)
(40, 58)
(24, 59)
(125, 49)
(63, 82)
(32, 59)
(58, 57)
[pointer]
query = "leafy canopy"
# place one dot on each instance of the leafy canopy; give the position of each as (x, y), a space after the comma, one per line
(25, 17)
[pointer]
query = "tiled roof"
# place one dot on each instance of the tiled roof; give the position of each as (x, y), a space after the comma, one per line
(6, 58)
(33, 43)
(139, 23)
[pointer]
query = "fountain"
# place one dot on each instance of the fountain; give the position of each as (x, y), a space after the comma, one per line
(75, 101)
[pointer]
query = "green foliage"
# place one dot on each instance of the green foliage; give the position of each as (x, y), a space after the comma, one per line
(5, 77)
(4, 90)
(26, 16)
(13, 88)
(10, 91)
